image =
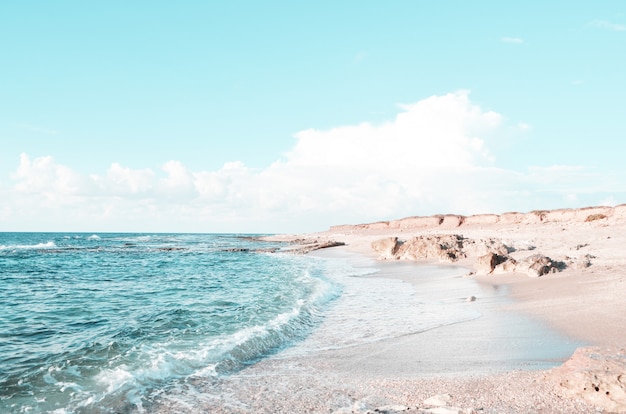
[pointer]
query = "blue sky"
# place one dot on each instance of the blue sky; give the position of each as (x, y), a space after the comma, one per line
(284, 117)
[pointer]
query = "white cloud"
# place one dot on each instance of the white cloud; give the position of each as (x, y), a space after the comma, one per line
(433, 157)
(43, 175)
(514, 40)
(604, 24)
(440, 131)
(179, 180)
(121, 181)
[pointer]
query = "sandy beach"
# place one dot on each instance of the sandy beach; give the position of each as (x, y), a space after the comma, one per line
(580, 305)
(549, 343)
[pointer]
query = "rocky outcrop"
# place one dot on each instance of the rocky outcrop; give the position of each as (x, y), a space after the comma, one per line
(386, 248)
(491, 255)
(486, 264)
(443, 247)
(534, 266)
(538, 265)
(303, 246)
(577, 215)
(595, 374)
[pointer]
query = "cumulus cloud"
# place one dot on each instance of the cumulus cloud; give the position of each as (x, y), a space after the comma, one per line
(433, 157)
(441, 131)
(43, 175)
(121, 180)
(179, 180)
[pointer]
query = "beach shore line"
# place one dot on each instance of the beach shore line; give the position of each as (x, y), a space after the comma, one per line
(582, 297)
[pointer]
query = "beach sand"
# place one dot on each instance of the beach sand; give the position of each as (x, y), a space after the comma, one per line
(502, 362)
(583, 305)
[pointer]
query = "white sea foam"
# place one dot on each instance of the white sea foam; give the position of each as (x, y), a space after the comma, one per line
(114, 379)
(94, 237)
(47, 245)
(372, 309)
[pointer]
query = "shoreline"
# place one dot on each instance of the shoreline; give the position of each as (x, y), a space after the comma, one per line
(464, 361)
(582, 299)
(497, 340)
(589, 292)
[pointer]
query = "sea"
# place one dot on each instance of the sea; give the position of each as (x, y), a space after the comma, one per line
(117, 322)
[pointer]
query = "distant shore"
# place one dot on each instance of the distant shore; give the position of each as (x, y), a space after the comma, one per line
(577, 263)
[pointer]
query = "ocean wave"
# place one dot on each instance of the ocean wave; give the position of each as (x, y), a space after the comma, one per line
(38, 246)
(147, 321)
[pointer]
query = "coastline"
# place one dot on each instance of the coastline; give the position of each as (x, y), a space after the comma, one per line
(582, 301)
(496, 340)
(490, 364)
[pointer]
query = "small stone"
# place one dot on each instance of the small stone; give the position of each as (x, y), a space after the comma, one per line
(442, 410)
(440, 400)
(391, 409)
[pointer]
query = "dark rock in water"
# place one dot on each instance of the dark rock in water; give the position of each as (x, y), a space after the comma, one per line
(306, 246)
(267, 250)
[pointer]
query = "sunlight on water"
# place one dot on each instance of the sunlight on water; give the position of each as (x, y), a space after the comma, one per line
(113, 323)
(101, 322)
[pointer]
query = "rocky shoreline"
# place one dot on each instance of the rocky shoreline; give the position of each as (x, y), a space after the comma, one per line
(577, 268)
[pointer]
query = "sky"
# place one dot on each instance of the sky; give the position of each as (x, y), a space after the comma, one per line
(282, 116)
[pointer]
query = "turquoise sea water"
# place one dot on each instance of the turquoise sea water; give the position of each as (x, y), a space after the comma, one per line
(108, 322)
(125, 323)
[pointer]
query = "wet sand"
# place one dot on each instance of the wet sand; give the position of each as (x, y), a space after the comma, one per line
(494, 364)
(491, 363)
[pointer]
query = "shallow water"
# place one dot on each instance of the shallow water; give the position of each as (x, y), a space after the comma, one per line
(142, 323)
(395, 323)
(113, 322)
(99, 322)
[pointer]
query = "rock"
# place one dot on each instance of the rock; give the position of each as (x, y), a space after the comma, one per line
(306, 246)
(440, 400)
(391, 409)
(445, 248)
(386, 248)
(492, 255)
(595, 374)
(471, 299)
(583, 262)
(486, 264)
(482, 247)
(537, 265)
(508, 266)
